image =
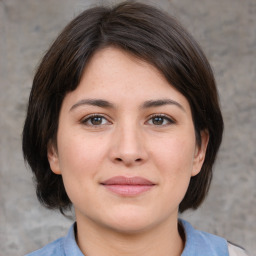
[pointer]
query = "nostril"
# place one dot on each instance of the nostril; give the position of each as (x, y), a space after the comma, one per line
(121, 160)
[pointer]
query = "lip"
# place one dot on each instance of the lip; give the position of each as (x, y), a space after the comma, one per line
(128, 186)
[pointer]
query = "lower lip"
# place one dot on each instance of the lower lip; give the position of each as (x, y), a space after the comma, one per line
(129, 190)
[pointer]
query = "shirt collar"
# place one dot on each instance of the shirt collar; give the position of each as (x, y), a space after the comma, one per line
(201, 243)
(197, 242)
(69, 243)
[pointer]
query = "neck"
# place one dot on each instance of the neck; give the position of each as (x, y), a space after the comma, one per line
(161, 240)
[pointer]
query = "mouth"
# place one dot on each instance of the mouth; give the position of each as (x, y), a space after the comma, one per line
(128, 186)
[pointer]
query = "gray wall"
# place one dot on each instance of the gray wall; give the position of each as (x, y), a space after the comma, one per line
(226, 29)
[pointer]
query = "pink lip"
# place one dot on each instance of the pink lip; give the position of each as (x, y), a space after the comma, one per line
(128, 186)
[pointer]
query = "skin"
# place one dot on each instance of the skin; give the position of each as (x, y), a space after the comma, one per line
(125, 139)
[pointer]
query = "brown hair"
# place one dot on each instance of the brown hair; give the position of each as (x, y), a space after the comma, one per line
(141, 30)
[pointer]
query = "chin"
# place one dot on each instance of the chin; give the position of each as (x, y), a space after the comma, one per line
(130, 228)
(131, 223)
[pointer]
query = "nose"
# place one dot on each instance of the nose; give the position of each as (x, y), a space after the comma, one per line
(128, 146)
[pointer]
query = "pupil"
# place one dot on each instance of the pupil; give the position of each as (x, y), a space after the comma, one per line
(158, 120)
(96, 120)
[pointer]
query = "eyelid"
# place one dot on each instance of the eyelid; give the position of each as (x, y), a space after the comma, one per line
(87, 117)
(171, 120)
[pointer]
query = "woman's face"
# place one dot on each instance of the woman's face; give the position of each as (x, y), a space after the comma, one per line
(126, 145)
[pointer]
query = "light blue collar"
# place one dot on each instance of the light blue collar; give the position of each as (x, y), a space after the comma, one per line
(69, 243)
(198, 243)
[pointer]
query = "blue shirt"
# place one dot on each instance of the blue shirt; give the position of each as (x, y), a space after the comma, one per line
(198, 243)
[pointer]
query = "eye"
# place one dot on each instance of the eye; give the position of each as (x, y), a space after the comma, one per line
(95, 120)
(160, 120)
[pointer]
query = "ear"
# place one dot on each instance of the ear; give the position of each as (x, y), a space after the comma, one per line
(200, 152)
(53, 158)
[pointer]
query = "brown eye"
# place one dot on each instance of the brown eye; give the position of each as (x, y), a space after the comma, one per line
(96, 120)
(160, 120)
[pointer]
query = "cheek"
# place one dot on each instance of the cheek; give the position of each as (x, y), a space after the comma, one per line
(79, 162)
(78, 157)
(175, 154)
(174, 161)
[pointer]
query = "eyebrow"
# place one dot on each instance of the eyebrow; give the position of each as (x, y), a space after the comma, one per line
(161, 102)
(106, 104)
(94, 102)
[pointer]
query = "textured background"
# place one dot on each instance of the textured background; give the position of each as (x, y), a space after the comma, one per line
(226, 29)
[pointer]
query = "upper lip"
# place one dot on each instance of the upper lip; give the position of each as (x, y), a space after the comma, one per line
(121, 180)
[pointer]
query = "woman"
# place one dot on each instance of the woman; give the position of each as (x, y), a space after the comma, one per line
(124, 125)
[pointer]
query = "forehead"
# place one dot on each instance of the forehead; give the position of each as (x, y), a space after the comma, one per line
(117, 76)
(113, 63)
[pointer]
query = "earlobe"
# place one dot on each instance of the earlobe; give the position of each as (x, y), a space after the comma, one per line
(200, 152)
(53, 158)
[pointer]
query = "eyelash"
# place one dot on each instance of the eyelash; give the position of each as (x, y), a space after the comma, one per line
(162, 116)
(90, 117)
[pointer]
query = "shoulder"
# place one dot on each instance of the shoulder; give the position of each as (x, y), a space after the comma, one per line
(199, 243)
(236, 250)
(61, 247)
(53, 249)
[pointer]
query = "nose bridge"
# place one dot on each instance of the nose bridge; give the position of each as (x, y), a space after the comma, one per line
(128, 146)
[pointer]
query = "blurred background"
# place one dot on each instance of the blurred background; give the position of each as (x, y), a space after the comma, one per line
(226, 30)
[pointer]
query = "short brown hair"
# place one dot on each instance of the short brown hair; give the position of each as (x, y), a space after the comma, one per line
(145, 32)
